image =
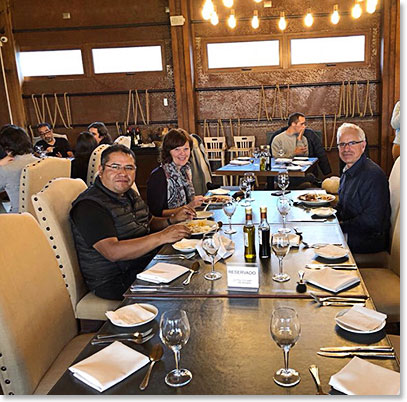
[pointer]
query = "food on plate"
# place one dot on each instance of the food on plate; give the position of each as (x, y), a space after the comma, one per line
(316, 197)
(217, 199)
(201, 226)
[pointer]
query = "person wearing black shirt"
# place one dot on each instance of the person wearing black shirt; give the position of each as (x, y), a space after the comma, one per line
(85, 145)
(53, 146)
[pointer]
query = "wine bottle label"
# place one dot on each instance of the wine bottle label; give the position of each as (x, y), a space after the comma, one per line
(246, 239)
(260, 237)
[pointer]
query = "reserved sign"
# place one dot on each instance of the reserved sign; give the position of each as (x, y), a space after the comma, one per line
(245, 277)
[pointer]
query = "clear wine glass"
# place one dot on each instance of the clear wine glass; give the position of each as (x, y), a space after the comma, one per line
(39, 149)
(174, 333)
(280, 152)
(251, 179)
(280, 244)
(229, 209)
(283, 180)
(285, 330)
(243, 185)
(256, 152)
(284, 206)
(211, 244)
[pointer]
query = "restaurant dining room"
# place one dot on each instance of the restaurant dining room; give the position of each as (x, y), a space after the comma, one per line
(200, 197)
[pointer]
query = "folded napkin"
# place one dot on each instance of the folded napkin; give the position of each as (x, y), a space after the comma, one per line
(362, 318)
(331, 279)
(239, 162)
(360, 377)
(226, 249)
(283, 160)
(109, 366)
(129, 315)
(150, 145)
(302, 163)
(331, 251)
(294, 240)
(162, 272)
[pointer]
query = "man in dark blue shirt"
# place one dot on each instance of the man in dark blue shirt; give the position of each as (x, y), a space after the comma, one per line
(364, 197)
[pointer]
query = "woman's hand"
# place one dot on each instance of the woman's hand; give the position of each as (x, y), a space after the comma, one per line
(184, 213)
(197, 201)
(6, 160)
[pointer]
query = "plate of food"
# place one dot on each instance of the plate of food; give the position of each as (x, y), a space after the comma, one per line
(203, 214)
(201, 226)
(216, 199)
(324, 212)
(316, 199)
(186, 245)
(219, 191)
(132, 315)
(342, 325)
(331, 252)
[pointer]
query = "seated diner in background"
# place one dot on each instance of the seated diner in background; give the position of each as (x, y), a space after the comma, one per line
(53, 146)
(170, 188)
(364, 196)
(18, 147)
(85, 144)
(101, 133)
(115, 235)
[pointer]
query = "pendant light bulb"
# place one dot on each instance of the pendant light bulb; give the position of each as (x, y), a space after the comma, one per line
(356, 11)
(282, 23)
(255, 19)
(232, 19)
(214, 18)
(228, 3)
(371, 6)
(257, 1)
(308, 19)
(207, 10)
(335, 15)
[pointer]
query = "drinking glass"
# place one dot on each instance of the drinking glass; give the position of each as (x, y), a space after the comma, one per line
(256, 152)
(229, 209)
(243, 185)
(280, 244)
(285, 330)
(39, 149)
(280, 152)
(283, 180)
(174, 333)
(250, 179)
(284, 206)
(211, 244)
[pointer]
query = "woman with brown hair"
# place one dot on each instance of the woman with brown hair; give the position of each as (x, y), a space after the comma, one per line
(170, 187)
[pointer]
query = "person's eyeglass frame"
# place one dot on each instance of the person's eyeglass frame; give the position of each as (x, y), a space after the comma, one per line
(44, 132)
(118, 168)
(342, 145)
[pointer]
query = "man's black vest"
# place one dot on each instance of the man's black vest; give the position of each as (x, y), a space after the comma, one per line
(130, 216)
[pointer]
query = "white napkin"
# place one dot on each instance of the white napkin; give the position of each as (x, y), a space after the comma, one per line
(283, 160)
(302, 163)
(239, 163)
(362, 318)
(331, 279)
(149, 145)
(128, 315)
(294, 240)
(109, 366)
(360, 377)
(331, 251)
(226, 249)
(162, 272)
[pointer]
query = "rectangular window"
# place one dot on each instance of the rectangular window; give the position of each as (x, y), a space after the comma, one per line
(243, 54)
(127, 59)
(51, 62)
(336, 49)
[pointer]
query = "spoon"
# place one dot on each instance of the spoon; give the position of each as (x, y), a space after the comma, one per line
(155, 356)
(206, 206)
(313, 369)
(193, 270)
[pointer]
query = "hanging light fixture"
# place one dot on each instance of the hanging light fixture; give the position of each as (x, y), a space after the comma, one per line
(308, 19)
(232, 19)
(282, 23)
(207, 10)
(228, 3)
(214, 17)
(371, 6)
(356, 10)
(257, 1)
(335, 15)
(255, 19)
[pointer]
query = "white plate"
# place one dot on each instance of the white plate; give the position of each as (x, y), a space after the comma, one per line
(295, 167)
(148, 307)
(302, 163)
(186, 245)
(203, 214)
(201, 226)
(356, 331)
(323, 212)
(301, 158)
(219, 191)
(243, 158)
(323, 200)
(282, 160)
(324, 252)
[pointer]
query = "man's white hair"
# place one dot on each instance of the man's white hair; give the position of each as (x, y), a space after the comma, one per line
(350, 126)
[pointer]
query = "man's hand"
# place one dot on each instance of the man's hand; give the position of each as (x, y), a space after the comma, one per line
(300, 134)
(197, 201)
(175, 233)
(183, 214)
(300, 150)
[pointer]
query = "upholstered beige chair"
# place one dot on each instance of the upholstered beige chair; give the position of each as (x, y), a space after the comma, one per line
(94, 162)
(124, 140)
(52, 206)
(38, 331)
(36, 175)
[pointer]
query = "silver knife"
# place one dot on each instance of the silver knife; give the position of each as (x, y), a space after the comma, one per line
(357, 349)
(341, 303)
(338, 266)
(135, 340)
(382, 355)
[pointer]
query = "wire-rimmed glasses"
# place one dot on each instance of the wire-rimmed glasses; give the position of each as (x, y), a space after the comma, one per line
(280, 244)
(229, 208)
(211, 244)
(285, 330)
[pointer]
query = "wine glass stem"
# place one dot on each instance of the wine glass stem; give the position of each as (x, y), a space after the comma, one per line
(280, 266)
(213, 263)
(286, 350)
(284, 217)
(177, 358)
(230, 223)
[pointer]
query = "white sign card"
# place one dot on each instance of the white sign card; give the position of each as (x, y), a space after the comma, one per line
(243, 277)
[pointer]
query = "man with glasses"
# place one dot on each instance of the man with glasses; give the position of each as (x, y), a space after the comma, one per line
(364, 197)
(53, 146)
(115, 235)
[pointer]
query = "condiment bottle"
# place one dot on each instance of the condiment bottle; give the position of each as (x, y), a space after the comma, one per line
(264, 234)
(248, 232)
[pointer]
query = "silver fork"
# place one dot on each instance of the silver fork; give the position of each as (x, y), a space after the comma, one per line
(175, 256)
(139, 341)
(318, 245)
(133, 334)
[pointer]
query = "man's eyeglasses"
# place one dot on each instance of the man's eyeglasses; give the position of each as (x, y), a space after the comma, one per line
(116, 167)
(45, 132)
(350, 143)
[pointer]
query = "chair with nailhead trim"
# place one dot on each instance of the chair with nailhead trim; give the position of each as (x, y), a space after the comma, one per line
(124, 140)
(38, 332)
(52, 206)
(94, 162)
(36, 175)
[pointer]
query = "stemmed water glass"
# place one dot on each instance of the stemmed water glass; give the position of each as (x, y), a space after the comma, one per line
(250, 179)
(243, 185)
(174, 333)
(39, 149)
(229, 209)
(280, 244)
(211, 244)
(285, 330)
(284, 206)
(283, 180)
